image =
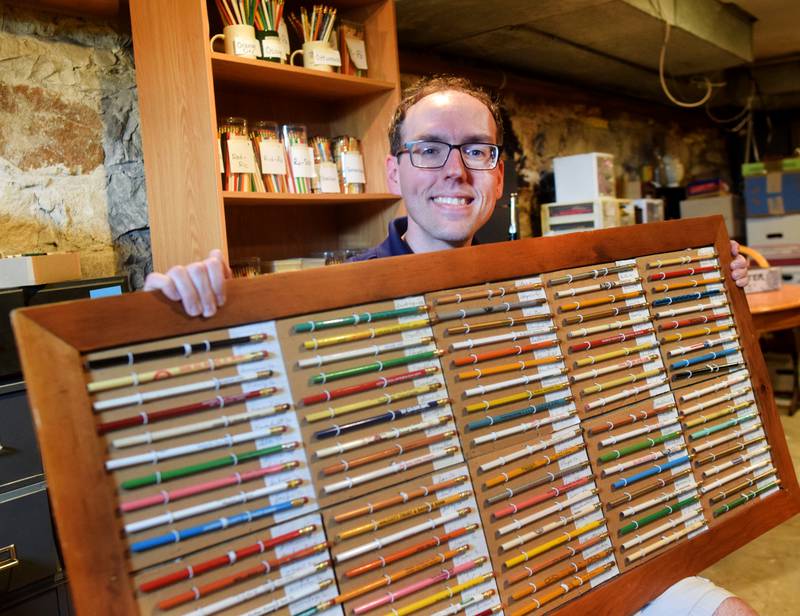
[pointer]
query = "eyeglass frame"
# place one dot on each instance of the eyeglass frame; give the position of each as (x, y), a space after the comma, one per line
(452, 146)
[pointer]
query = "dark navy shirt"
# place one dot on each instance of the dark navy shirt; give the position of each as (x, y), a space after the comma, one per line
(394, 245)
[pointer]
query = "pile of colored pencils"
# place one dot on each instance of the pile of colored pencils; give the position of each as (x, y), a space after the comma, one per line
(318, 27)
(233, 12)
(269, 14)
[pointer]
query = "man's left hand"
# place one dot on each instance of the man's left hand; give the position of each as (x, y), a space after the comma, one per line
(739, 266)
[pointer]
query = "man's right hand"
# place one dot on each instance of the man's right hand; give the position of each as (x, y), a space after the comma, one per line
(200, 286)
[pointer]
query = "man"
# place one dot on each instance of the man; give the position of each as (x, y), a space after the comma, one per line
(445, 162)
(445, 140)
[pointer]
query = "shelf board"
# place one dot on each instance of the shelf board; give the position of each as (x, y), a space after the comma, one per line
(286, 79)
(280, 199)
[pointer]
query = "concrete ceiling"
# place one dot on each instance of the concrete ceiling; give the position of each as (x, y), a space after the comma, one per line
(607, 44)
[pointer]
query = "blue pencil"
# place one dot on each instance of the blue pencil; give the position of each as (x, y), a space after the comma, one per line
(528, 410)
(176, 536)
(666, 301)
(685, 363)
(654, 470)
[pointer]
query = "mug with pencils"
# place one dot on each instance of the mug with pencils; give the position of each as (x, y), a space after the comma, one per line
(240, 40)
(318, 55)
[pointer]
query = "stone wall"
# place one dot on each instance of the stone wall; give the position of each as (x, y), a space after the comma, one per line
(71, 173)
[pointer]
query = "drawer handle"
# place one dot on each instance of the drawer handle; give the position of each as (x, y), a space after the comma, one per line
(11, 561)
(773, 236)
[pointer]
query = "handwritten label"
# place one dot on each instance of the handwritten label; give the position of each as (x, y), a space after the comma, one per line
(328, 177)
(353, 168)
(358, 52)
(283, 35)
(240, 155)
(272, 47)
(328, 57)
(302, 158)
(245, 47)
(273, 158)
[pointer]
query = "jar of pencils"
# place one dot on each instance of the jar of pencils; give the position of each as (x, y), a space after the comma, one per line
(327, 176)
(270, 155)
(350, 163)
(301, 158)
(238, 161)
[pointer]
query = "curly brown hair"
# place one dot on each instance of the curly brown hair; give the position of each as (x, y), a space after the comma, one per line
(431, 85)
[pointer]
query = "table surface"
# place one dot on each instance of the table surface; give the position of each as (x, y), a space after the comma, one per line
(785, 298)
(775, 310)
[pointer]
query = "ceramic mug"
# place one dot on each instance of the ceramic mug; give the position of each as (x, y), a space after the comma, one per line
(310, 51)
(270, 46)
(240, 40)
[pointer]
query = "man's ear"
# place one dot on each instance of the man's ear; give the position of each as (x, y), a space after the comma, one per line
(393, 174)
(500, 175)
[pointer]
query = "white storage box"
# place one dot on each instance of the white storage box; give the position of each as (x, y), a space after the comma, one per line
(584, 177)
(729, 206)
(776, 237)
(649, 210)
(600, 213)
(24, 270)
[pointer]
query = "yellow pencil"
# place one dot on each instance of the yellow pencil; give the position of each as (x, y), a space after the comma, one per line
(448, 593)
(694, 333)
(549, 545)
(680, 260)
(624, 352)
(717, 414)
(686, 284)
(332, 412)
(374, 332)
(631, 378)
(517, 365)
(485, 405)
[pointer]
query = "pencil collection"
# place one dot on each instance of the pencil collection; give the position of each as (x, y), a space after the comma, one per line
(282, 159)
(318, 26)
(501, 448)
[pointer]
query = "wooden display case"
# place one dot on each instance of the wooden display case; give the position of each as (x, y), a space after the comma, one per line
(86, 498)
(184, 87)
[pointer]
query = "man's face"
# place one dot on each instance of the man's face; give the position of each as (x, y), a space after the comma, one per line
(446, 206)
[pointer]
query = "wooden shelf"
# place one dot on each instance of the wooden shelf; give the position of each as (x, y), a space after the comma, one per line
(286, 79)
(313, 200)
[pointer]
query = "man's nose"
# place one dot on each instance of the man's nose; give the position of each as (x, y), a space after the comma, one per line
(454, 165)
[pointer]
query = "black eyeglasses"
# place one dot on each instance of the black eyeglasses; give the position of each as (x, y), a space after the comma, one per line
(434, 154)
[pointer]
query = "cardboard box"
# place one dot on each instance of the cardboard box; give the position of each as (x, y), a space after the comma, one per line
(729, 206)
(25, 270)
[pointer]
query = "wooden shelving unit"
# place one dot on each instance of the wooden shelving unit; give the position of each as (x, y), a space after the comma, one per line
(184, 87)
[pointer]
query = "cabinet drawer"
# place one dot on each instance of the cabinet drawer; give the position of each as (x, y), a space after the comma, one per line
(19, 456)
(25, 524)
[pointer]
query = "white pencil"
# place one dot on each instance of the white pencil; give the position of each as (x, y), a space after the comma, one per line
(558, 437)
(546, 511)
(382, 542)
(229, 440)
(392, 469)
(377, 349)
(224, 421)
(236, 499)
(169, 392)
(521, 334)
